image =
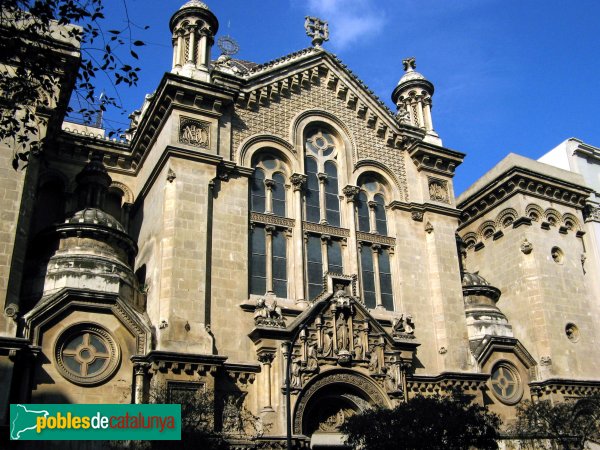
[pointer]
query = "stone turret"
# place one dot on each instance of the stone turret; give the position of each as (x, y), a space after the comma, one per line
(412, 97)
(194, 27)
(484, 318)
(94, 251)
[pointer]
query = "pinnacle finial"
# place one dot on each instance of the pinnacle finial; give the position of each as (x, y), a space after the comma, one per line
(317, 29)
(409, 64)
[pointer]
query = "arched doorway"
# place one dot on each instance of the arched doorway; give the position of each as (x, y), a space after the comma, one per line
(328, 400)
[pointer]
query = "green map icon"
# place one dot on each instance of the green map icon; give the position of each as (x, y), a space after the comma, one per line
(23, 419)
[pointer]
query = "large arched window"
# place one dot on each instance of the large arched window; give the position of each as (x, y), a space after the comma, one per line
(322, 203)
(323, 251)
(268, 239)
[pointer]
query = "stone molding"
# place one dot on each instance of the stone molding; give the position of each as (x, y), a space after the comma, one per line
(521, 181)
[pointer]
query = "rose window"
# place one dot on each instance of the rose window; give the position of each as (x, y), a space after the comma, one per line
(506, 384)
(86, 354)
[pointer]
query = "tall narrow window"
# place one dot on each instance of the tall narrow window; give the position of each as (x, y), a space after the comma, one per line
(279, 265)
(385, 281)
(313, 207)
(362, 211)
(257, 191)
(314, 266)
(258, 261)
(367, 276)
(332, 200)
(334, 257)
(278, 191)
(380, 222)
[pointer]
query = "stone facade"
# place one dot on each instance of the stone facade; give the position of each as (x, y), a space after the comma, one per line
(275, 222)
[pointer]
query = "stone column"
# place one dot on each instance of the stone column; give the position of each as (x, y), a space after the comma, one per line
(203, 59)
(269, 229)
(376, 250)
(372, 223)
(266, 359)
(325, 238)
(140, 369)
(269, 184)
(192, 47)
(427, 113)
(420, 113)
(298, 182)
(180, 49)
(351, 192)
(322, 207)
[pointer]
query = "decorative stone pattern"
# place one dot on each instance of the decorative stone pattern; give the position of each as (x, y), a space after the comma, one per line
(194, 132)
(277, 117)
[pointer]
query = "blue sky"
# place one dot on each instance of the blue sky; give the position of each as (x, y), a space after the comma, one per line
(509, 76)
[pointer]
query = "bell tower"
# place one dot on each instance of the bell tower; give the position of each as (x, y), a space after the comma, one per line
(193, 27)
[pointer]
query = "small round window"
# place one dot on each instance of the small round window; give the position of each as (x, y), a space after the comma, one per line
(506, 384)
(86, 354)
(572, 332)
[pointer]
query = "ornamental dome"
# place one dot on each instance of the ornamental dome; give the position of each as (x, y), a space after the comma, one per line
(194, 4)
(411, 75)
(474, 279)
(95, 216)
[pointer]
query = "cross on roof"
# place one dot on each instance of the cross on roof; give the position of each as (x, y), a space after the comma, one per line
(317, 29)
(409, 64)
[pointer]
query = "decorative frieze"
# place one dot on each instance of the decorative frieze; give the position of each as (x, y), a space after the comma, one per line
(270, 219)
(325, 229)
(375, 238)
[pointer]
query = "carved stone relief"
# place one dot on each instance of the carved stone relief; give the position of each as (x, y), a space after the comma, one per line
(194, 132)
(438, 190)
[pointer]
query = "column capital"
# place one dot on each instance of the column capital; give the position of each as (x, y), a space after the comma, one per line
(351, 192)
(298, 181)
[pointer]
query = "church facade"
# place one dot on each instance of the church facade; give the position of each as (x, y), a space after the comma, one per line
(277, 225)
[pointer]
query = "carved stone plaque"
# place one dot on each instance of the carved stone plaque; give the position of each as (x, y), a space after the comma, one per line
(194, 132)
(438, 190)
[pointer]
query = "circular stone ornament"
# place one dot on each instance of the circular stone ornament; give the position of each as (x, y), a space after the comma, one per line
(86, 354)
(228, 45)
(506, 383)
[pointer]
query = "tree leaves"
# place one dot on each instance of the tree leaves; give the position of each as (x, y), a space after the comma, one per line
(434, 422)
(31, 73)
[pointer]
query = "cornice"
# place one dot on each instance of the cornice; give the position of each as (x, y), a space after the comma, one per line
(435, 159)
(518, 180)
(420, 208)
(491, 344)
(179, 92)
